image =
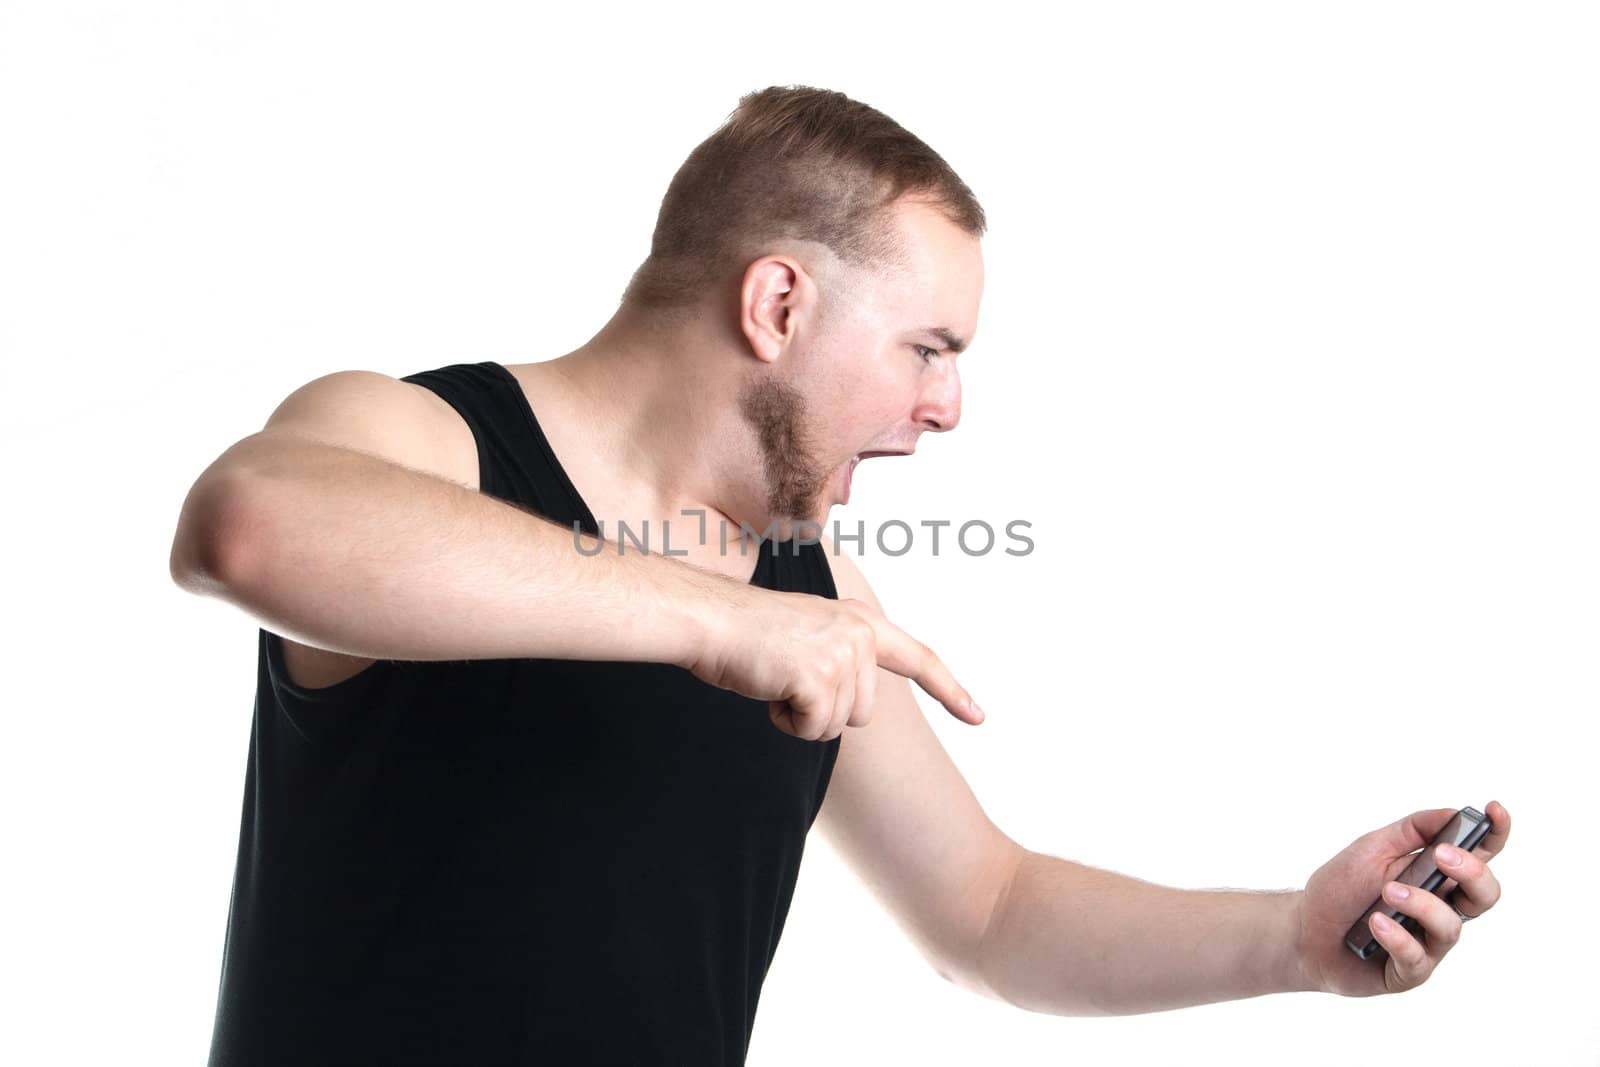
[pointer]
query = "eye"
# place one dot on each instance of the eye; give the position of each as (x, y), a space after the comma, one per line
(926, 353)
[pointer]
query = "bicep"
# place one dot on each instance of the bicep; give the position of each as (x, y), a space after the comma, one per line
(899, 812)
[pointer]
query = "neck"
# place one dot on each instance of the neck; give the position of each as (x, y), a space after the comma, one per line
(658, 402)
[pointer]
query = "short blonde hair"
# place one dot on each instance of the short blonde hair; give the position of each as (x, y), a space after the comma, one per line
(791, 162)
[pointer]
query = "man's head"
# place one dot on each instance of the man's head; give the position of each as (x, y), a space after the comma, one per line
(791, 162)
(826, 241)
(850, 362)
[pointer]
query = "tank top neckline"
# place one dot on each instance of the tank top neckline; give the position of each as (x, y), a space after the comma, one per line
(562, 479)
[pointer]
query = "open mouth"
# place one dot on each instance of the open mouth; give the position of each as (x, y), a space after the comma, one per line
(850, 468)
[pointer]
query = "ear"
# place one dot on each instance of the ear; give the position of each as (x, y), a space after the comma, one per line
(775, 293)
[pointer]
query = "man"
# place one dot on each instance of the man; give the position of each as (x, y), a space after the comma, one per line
(512, 799)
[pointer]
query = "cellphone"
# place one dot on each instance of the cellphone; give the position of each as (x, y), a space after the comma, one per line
(1464, 830)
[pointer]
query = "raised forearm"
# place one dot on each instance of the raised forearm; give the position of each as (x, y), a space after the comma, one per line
(355, 554)
(1067, 939)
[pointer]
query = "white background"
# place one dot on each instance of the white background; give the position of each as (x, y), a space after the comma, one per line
(1288, 353)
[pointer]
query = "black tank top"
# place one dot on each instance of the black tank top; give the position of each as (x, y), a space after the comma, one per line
(512, 861)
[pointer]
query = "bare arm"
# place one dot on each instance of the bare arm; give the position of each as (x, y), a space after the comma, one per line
(356, 554)
(1005, 922)
(1067, 939)
(336, 527)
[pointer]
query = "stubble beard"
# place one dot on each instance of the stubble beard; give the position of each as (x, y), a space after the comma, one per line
(776, 411)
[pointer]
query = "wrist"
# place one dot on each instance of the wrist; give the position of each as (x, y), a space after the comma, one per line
(706, 609)
(1294, 973)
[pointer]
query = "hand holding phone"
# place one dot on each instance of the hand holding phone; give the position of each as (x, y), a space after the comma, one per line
(1464, 830)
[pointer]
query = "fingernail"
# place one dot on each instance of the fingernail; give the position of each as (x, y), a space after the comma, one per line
(1396, 891)
(977, 710)
(1449, 856)
(1382, 921)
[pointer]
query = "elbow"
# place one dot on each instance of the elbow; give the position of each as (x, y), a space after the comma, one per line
(1023, 958)
(968, 981)
(978, 966)
(210, 549)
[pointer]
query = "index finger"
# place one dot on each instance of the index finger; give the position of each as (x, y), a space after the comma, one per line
(898, 651)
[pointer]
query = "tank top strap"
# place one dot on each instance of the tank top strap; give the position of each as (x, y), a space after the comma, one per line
(515, 460)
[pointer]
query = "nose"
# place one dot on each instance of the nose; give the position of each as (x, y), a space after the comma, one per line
(939, 407)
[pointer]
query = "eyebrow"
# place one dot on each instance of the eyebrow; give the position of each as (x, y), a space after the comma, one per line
(951, 340)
